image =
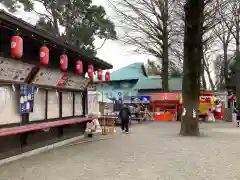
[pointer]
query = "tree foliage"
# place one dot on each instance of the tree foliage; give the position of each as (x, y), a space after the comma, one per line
(71, 20)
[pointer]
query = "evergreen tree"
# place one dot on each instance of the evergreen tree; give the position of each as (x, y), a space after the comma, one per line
(81, 20)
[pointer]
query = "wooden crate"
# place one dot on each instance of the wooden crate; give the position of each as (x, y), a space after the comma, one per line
(109, 121)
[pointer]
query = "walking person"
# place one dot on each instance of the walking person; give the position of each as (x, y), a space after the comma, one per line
(124, 115)
(237, 112)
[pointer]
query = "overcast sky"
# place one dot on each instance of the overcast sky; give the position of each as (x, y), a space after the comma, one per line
(113, 51)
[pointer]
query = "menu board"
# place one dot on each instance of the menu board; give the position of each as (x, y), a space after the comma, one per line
(14, 70)
(49, 77)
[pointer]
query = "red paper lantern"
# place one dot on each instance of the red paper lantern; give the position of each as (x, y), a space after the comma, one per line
(107, 76)
(44, 55)
(63, 62)
(79, 67)
(99, 75)
(90, 71)
(16, 46)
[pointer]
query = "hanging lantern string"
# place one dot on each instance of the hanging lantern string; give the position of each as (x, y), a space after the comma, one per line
(32, 37)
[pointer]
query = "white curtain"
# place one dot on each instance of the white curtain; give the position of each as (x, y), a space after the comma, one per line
(78, 104)
(9, 105)
(39, 105)
(67, 104)
(53, 104)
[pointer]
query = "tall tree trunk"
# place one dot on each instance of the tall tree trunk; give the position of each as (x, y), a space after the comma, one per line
(165, 63)
(225, 60)
(238, 33)
(204, 83)
(192, 66)
(238, 59)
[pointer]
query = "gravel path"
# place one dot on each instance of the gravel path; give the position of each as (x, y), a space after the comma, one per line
(151, 152)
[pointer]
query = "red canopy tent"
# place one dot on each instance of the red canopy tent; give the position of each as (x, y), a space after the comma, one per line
(164, 105)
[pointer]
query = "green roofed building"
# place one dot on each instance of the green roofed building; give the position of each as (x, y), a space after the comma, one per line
(130, 81)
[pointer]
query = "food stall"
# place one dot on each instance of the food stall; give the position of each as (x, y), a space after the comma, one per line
(164, 106)
(206, 103)
(138, 105)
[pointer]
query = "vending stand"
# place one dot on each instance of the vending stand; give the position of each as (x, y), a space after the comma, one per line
(206, 103)
(140, 102)
(164, 106)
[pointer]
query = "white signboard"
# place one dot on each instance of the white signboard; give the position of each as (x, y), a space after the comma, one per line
(39, 106)
(53, 78)
(67, 104)
(47, 77)
(8, 106)
(14, 70)
(71, 81)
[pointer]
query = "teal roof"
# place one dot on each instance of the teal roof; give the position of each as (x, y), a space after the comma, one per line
(155, 82)
(149, 83)
(130, 72)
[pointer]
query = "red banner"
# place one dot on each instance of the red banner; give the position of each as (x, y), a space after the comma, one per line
(165, 97)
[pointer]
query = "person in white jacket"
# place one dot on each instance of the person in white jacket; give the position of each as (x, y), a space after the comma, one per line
(218, 110)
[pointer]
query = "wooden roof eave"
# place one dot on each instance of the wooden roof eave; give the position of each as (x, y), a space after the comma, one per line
(53, 39)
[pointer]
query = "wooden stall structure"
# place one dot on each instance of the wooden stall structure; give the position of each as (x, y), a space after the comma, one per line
(43, 87)
(164, 106)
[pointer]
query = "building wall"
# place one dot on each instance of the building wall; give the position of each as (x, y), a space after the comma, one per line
(116, 90)
(9, 105)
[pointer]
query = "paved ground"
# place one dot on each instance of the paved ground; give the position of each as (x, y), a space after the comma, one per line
(152, 151)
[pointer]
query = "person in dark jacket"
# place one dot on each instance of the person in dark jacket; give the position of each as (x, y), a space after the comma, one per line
(124, 115)
(237, 111)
